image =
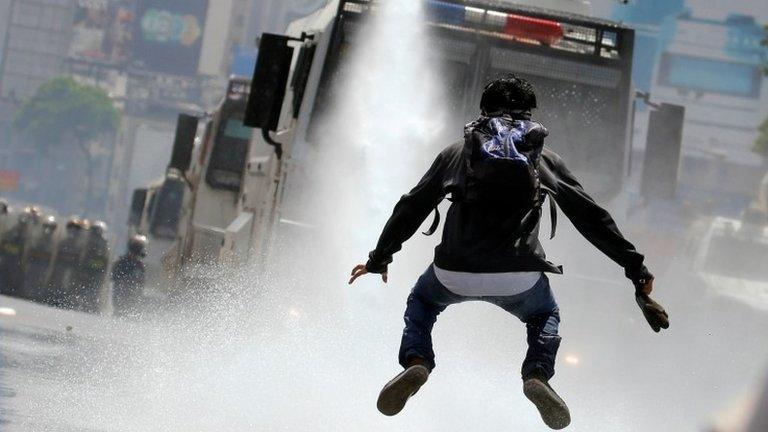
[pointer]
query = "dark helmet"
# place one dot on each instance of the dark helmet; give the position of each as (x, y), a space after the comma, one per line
(98, 228)
(50, 225)
(31, 214)
(508, 94)
(137, 245)
(74, 224)
(85, 224)
(174, 174)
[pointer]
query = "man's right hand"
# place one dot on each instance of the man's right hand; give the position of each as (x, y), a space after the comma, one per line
(360, 270)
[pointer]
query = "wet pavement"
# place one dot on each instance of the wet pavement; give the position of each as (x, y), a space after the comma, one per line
(46, 356)
(244, 366)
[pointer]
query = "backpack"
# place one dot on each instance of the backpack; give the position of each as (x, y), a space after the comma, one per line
(502, 157)
(502, 162)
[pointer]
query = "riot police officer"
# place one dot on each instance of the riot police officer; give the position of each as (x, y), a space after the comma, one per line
(128, 275)
(39, 260)
(63, 272)
(5, 215)
(12, 252)
(93, 267)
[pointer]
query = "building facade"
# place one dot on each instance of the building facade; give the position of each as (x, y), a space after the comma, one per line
(36, 42)
(713, 65)
(154, 58)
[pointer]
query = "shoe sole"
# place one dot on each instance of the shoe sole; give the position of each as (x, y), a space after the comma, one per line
(552, 408)
(396, 393)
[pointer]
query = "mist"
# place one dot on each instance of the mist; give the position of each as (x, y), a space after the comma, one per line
(288, 345)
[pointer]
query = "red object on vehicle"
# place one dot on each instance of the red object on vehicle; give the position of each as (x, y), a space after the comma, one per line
(545, 31)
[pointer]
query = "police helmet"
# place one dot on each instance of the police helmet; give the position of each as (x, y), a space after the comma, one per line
(137, 245)
(98, 228)
(31, 214)
(74, 224)
(50, 225)
(174, 174)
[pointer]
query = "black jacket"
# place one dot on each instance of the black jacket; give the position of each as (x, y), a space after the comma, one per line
(486, 240)
(128, 272)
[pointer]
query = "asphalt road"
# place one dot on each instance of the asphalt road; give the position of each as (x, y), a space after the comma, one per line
(46, 355)
(268, 365)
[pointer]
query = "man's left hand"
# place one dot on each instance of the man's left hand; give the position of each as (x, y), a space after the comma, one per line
(360, 270)
(645, 286)
(653, 312)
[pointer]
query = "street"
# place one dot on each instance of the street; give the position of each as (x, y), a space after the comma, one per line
(242, 362)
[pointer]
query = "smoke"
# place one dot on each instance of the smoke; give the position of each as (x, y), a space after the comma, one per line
(290, 346)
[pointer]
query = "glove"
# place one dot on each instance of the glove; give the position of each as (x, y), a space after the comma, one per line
(653, 312)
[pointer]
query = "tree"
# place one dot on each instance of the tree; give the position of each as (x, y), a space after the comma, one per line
(761, 144)
(764, 43)
(63, 111)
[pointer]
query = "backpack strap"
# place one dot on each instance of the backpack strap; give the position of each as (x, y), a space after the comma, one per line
(524, 222)
(529, 222)
(435, 224)
(552, 211)
(524, 227)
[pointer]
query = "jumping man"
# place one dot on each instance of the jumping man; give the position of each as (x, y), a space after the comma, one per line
(498, 178)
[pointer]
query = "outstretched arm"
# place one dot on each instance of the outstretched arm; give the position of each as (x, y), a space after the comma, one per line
(596, 224)
(409, 213)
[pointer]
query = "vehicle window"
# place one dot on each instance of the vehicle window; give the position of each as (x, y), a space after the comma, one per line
(137, 207)
(236, 129)
(166, 213)
(455, 78)
(229, 154)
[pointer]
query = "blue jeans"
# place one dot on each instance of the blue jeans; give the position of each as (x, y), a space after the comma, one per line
(536, 308)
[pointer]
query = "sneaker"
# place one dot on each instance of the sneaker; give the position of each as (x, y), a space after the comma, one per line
(395, 394)
(552, 408)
